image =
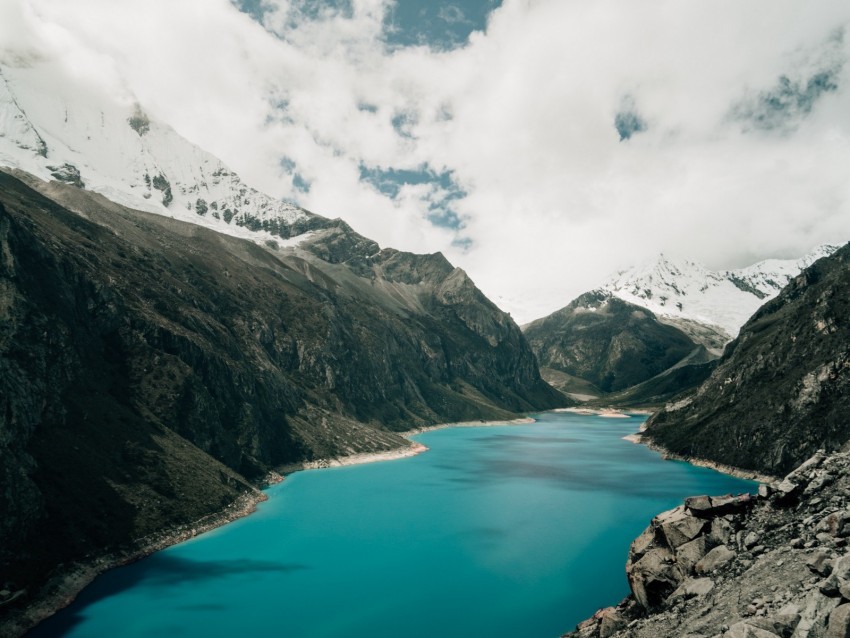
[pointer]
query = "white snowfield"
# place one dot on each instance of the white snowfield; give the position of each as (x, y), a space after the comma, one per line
(55, 128)
(689, 290)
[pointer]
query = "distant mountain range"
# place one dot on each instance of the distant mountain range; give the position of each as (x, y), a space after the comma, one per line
(652, 332)
(676, 290)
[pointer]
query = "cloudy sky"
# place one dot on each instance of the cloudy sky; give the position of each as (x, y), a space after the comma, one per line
(540, 144)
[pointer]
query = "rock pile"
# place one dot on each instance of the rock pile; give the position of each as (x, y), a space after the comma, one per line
(771, 565)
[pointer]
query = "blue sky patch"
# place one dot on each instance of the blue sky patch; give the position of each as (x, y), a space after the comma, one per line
(787, 102)
(445, 190)
(440, 25)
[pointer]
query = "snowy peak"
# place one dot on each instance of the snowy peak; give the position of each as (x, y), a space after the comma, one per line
(56, 129)
(684, 289)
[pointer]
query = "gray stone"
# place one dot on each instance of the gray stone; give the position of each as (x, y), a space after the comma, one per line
(721, 531)
(715, 559)
(841, 567)
(679, 527)
(611, 622)
(787, 488)
(745, 629)
(839, 622)
(816, 609)
(830, 586)
(751, 540)
(824, 538)
(692, 588)
(642, 544)
(690, 553)
(653, 577)
(820, 563)
(765, 491)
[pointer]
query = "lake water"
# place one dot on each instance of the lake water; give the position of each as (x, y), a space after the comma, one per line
(503, 531)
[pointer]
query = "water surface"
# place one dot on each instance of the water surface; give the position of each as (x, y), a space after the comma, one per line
(505, 532)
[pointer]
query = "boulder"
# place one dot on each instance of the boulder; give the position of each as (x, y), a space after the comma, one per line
(713, 506)
(611, 621)
(690, 553)
(839, 622)
(744, 629)
(816, 610)
(653, 578)
(678, 527)
(820, 563)
(692, 588)
(715, 559)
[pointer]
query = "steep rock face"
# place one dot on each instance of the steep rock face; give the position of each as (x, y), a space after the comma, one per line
(152, 369)
(609, 342)
(782, 389)
(774, 565)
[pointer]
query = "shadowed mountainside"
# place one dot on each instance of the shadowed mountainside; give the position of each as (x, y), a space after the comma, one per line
(151, 371)
(782, 389)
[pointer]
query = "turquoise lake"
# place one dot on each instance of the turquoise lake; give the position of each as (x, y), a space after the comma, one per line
(503, 531)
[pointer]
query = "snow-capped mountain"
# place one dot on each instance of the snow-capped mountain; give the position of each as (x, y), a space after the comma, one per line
(57, 128)
(687, 290)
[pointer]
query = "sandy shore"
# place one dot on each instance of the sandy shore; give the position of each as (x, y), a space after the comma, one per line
(608, 413)
(394, 454)
(468, 424)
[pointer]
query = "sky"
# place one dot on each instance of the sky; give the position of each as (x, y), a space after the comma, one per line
(541, 145)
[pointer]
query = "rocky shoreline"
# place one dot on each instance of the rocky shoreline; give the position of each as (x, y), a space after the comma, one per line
(774, 565)
(748, 475)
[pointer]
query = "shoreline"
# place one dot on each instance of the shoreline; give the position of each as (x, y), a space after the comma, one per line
(415, 448)
(748, 475)
(64, 586)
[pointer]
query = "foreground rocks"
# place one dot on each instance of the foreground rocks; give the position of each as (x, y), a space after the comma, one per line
(772, 565)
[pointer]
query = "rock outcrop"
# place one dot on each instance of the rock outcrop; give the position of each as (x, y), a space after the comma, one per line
(782, 388)
(772, 565)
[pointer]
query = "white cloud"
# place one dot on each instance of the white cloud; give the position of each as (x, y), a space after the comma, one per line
(523, 116)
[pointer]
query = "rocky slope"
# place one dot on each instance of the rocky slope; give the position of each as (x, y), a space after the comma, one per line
(782, 389)
(609, 343)
(775, 565)
(152, 371)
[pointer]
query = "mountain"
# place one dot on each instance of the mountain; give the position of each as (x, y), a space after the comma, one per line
(782, 389)
(608, 344)
(651, 333)
(153, 371)
(694, 298)
(58, 129)
(171, 337)
(773, 564)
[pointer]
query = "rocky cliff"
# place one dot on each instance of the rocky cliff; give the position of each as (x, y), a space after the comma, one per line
(775, 565)
(782, 389)
(153, 371)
